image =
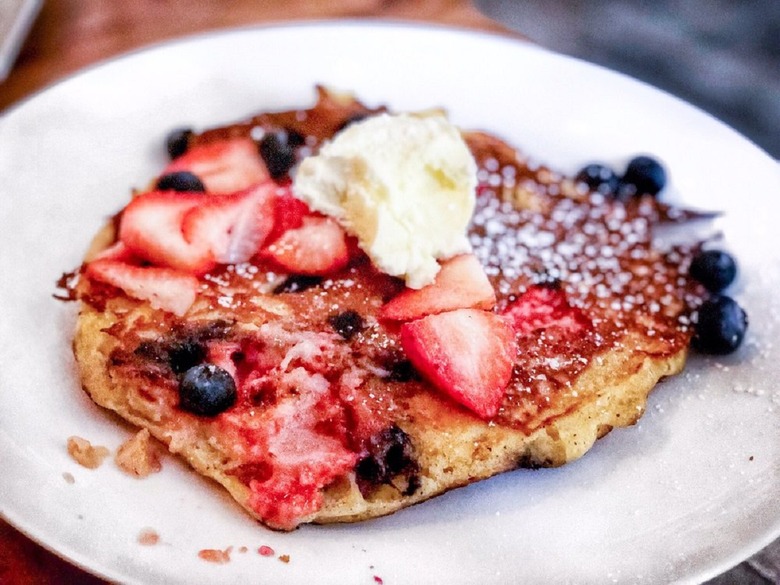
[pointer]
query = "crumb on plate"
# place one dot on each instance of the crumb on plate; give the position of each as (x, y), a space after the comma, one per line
(219, 557)
(86, 454)
(148, 537)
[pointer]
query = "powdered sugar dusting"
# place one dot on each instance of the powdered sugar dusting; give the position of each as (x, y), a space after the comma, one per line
(533, 226)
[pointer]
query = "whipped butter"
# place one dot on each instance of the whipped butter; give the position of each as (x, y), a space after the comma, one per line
(403, 185)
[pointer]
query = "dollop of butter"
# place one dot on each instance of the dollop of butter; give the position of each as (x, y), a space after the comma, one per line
(404, 185)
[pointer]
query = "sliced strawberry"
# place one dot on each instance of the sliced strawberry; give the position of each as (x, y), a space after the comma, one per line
(460, 284)
(319, 246)
(151, 228)
(234, 226)
(165, 289)
(226, 166)
(467, 354)
(543, 307)
(116, 251)
(289, 212)
(301, 455)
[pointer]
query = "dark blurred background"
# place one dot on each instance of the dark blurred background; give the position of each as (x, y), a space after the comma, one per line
(721, 55)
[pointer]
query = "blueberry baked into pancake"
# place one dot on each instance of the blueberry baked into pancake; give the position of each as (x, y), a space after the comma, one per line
(338, 312)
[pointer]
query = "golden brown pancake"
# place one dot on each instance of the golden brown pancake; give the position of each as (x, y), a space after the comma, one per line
(332, 421)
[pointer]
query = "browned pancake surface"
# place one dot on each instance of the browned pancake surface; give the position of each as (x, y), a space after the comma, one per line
(531, 225)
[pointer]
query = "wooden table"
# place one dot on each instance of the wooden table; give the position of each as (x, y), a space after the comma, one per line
(71, 34)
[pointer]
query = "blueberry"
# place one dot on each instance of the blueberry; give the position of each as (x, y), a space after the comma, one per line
(207, 390)
(185, 354)
(644, 176)
(390, 453)
(715, 269)
(178, 142)
(347, 324)
(295, 138)
(297, 283)
(184, 181)
(278, 152)
(599, 177)
(720, 326)
(401, 371)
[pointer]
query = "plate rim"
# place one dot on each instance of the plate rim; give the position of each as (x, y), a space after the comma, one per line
(508, 36)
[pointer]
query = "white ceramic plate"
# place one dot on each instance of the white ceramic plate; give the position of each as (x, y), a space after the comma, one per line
(689, 491)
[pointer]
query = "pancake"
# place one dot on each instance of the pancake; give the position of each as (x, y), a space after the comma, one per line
(336, 416)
